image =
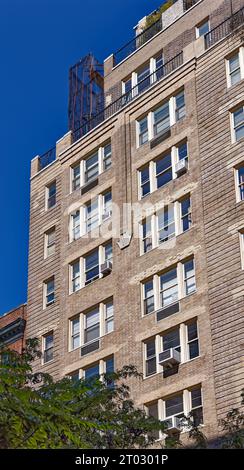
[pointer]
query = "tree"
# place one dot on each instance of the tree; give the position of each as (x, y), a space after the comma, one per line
(36, 412)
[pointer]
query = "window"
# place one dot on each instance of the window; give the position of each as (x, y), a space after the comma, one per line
(151, 358)
(76, 177)
(75, 376)
(96, 370)
(75, 333)
(180, 106)
(75, 226)
(163, 170)
(51, 195)
(239, 173)
(234, 69)
(48, 347)
(159, 172)
(92, 326)
(49, 242)
(75, 276)
(143, 131)
(87, 269)
(171, 340)
(49, 292)
(161, 119)
(238, 123)
(146, 235)
(107, 157)
(176, 405)
(144, 181)
(196, 406)
(166, 288)
(126, 86)
(185, 214)
(109, 317)
(241, 235)
(107, 205)
(166, 224)
(159, 62)
(143, 78)
(189, 277)
(202, 28)
(90, 167)
(148, 297)
(91, 215)
(192, 341)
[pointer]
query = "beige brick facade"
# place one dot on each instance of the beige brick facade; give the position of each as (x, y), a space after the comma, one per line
(213, 238)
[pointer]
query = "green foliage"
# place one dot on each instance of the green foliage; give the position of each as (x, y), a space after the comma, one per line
(155, 16)
(36, 412)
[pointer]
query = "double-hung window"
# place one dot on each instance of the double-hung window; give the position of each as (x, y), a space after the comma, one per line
(182, 151)
(161, 119)
(189, 277)
(109, 317)
(166, 224)
(192, 341)
(143, 131)
(145, 187)
(238, 123)
(51, 195)
(163, 170)
(180, 110)
(75, 225)
(91, 325)
(91, 167)
(185, 214)
(75, 276)
(148, 297)
(76, 176)
(91, 215)
(171, 340)
(91, 267)
(239, 176)
(234, 69)
(92, 372)
(107, 205)
(241, 236)
(203, 28)
(107, 157)
(98, 369)
(75, 336)
(49, 292)
(146, 235)
(150, 357)
(168, 287)
(143, 78)
(174, 407)
(49, 242)
(48, 347)
(196, 406)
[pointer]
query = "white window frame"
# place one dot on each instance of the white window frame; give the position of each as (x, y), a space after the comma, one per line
(101, 365)
(45, 294)
(50, 333)
(47, 245)
(156, 285)
(102, 323)
(240, 53)
(134, 76)
(174, 151)
(232, 123)
(101, 259)
(241, 239)
(101, 169)
(237, 184)
(198, 26)
(47, 195)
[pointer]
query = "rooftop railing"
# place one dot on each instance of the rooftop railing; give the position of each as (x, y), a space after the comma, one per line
(137, 42)
(47, 158)
(225, 28)
(126, 98)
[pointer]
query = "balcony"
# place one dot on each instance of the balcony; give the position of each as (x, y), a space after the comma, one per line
(224, 29)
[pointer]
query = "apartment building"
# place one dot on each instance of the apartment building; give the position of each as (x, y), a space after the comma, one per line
(12, 328)
(137, 221)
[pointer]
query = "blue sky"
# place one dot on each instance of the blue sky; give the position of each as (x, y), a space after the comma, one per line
(39, 40)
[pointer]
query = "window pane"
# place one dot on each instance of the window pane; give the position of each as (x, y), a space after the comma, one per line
(235, 77)
(171, 340)
(203, 28)
(92, 318)
(174, 405)
(151, 366)
(192, 331)
(150, 348)
(238, 116)
(182, 151)
(92, 372)
(240, 132)
(76, 326)
(193, 349)
(109, 365)
(108, 251)
(92, 260)
(169, 287)
(190, 283)
(196, 397)
(91, 167)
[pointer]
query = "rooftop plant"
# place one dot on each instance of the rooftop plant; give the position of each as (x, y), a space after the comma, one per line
(156, 15)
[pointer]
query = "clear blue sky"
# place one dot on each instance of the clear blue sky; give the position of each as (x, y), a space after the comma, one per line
(39, 40)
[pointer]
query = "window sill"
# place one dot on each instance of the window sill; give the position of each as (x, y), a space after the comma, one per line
(179, 300)
(161, 372)
(167, 242)
(81, 345)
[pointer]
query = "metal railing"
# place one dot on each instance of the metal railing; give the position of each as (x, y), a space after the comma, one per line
(189, 3)
(126, 98)
(47, 158)
(225, 28)
(137, 42)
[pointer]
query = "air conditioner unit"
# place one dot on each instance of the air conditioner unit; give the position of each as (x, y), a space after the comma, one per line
(107, 215)
(106, 268)
(181, 167)
(173, 424)
(169, 358)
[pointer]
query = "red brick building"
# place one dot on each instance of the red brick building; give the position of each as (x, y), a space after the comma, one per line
(12, 328)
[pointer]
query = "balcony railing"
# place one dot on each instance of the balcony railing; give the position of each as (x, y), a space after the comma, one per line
(126, 98)
(137, 42)
(189, 4)
(47, 158)
(225, 28)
